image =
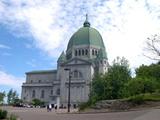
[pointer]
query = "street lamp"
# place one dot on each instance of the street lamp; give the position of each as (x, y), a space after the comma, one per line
(69, 84)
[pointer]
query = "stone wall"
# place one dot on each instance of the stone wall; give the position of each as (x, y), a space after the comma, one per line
(113, 105)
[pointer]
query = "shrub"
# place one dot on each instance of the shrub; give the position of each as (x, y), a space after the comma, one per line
(37, 102)
(84, 105)
(138, 99)
(152, 97)
(138, 86)
(3, 114)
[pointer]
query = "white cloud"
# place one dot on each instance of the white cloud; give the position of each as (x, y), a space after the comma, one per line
(2, 46)
(126, 28)
(34, 18)
(124, 24)
(10, 80)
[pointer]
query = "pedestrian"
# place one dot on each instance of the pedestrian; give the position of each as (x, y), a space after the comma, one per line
(74, 106)
(47, 108)
(50, 107)
(55, 107)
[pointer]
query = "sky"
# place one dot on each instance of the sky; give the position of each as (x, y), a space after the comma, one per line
(33, 33)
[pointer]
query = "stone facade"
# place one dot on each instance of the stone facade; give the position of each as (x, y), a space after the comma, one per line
(84, 56)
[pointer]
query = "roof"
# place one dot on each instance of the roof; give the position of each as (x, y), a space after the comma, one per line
(41, 71)
(86, 35)
(102, 54)
(62, 57)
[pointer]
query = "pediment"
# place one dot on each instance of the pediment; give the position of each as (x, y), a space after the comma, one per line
(76, 61)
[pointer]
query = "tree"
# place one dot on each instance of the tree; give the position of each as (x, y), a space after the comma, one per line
(98, 88)
(138, 86)
(37, 102)
(17, 102)
(11, 97)
(118, 74)
(109, 86)
(2, 95)
(150, 71)
(153, 47)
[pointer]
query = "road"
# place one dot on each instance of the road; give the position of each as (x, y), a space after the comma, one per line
(42, 114)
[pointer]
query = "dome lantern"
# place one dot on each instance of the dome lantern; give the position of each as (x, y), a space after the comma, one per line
(86, 23)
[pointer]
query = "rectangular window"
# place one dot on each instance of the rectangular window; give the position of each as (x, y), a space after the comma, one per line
(33, 94)
(42, 94)
(51, 92)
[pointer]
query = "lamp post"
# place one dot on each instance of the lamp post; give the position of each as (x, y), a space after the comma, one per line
(69, 84)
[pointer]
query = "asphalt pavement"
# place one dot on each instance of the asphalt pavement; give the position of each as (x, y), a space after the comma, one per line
(42, 114)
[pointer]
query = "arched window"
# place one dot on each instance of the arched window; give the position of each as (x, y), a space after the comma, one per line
(33, 94)
(86, 52)
(92, 51)
(24, 98)
(80, 75)
(75, 74)
(58, 91)
(96, 52)
(76, 53)
(42, 94)
(101, 62)
(82, 52)
(79, 52)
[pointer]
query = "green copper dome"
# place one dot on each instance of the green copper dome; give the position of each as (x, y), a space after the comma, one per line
(102, 54)
(62, 57)
(86, 35)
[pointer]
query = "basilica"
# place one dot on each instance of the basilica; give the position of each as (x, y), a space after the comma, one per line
(85, 56)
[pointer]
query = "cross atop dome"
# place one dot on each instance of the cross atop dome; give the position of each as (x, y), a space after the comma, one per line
(86, 23)
(86, 17)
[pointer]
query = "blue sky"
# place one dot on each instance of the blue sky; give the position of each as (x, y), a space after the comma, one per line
(17, 56)
(33, 33)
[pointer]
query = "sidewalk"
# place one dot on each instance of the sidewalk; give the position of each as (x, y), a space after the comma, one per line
(64, 110)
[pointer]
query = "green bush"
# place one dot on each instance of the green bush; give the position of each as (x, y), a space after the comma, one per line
(37, 102)
(138, 99)
(84, 105)
(3, 114)
(151, 97)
